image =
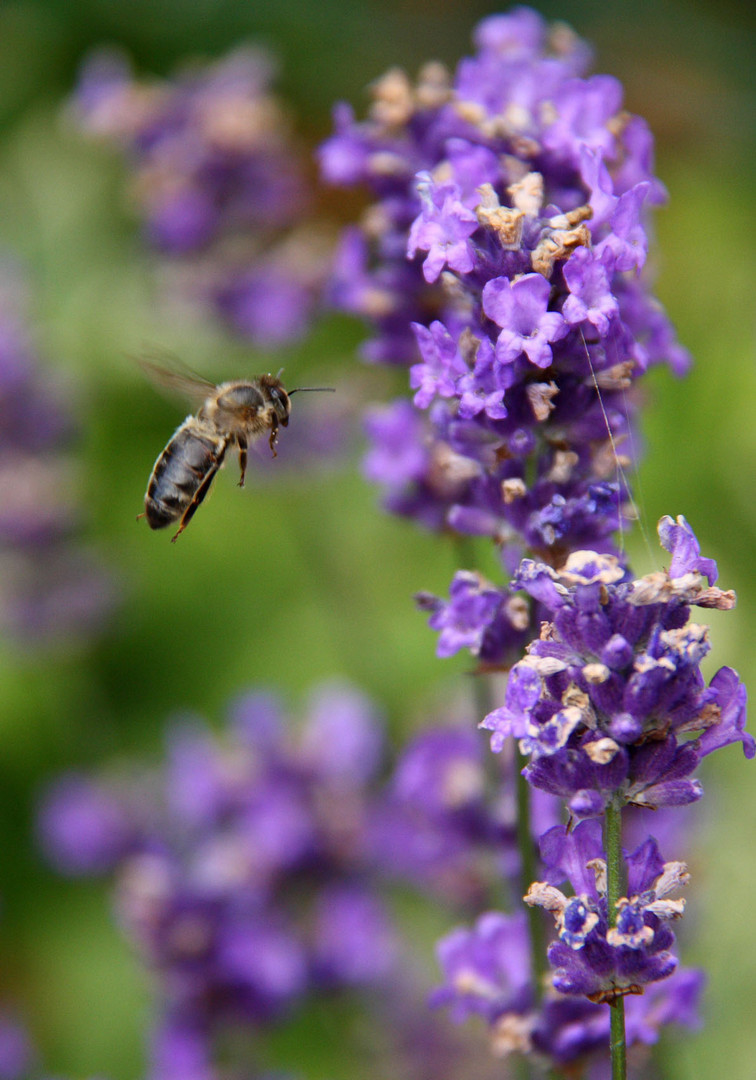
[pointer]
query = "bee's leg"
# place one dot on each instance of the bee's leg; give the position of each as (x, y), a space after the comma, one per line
(273, 434)
(200, 493)
(242, 443)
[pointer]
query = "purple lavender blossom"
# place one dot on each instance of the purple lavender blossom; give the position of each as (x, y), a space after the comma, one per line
(592, 958)
(520, 309)
(610, 701)
(253, 869)
(508, 233)
(442, 229)
(179, 1051)
(422, 477)
(477, 617)
(355, 943)
(342, 739)
(243, 871)
(487, 969)
(217, 184)
(487, 973)
(448, 826)
(435, 824)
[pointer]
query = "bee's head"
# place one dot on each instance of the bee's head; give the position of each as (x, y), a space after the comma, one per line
(279, 399)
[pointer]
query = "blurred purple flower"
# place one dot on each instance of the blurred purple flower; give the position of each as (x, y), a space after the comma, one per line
(17, 1055)
(242, 868)
(83, 827)
(355, 943)
(219, 185)
(51, 587)
(487, 969)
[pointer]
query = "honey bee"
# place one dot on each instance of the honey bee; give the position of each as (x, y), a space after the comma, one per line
(233, 414)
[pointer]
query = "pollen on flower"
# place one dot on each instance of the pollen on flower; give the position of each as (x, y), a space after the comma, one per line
(596, 673)
(393, 99)
(602, 751)
(599, 869)
(512, 489)
(512, 1034)
(563, 466)
(505, 221)
(556, 245)
(541, 397)
(546, 896)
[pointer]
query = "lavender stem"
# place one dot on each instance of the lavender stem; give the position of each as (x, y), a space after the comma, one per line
(614, 889)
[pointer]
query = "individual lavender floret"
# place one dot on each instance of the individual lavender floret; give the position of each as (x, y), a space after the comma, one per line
(610, 701)
(243, 870)
(507, 234)
(477, 617)
(51, 587)
(217, 183)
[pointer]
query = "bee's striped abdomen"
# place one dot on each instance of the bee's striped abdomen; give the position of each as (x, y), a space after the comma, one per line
(192, 455)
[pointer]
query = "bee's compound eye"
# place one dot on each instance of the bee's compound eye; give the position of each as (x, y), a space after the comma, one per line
(280, 401)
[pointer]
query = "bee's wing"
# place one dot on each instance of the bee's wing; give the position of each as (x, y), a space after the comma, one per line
(167, 372)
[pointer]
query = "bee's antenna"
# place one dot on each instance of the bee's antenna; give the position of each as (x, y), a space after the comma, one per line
(324, 389)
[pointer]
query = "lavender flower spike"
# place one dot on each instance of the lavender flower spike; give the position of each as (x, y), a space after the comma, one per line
(242, 869)
(503, 262)
(508, 234)
(51, 587)
(486, 973)
(591, 957)
(606, 700)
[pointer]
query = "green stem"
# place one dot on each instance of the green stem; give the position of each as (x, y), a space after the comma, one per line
(615, 868)
(615, 888)
(617, 1045)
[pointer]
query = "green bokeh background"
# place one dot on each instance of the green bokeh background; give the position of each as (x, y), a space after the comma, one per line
(301, 577)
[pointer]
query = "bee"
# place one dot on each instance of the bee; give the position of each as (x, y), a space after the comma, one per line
(233, 414)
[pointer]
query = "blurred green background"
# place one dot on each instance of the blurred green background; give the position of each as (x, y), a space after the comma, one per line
(302, 577)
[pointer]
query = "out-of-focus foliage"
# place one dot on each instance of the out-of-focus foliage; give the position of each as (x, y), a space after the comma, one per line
(300, 576)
